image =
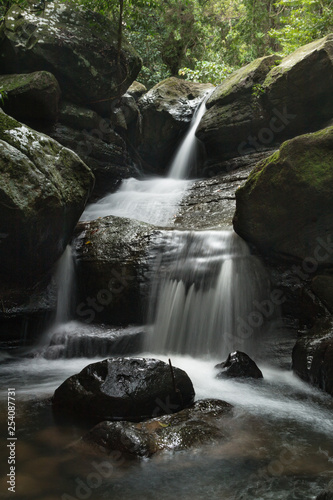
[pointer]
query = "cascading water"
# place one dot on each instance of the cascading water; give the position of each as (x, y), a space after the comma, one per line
(206, 286)
(186, 156)
(154, 200)
(65, 286)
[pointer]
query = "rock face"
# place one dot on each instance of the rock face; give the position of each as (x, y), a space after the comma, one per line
(285, 207)
(102, 149)
(238, 365)
(233, 110)
(79, 47)
(124, 389)
(192, 427)
(43, 190)
(112, 263)
(166, 112)
(313, 356)
(33, 96)
(322, 286)
(269, 101)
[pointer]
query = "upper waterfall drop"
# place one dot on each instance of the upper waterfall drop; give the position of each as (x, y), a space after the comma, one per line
(186, 156)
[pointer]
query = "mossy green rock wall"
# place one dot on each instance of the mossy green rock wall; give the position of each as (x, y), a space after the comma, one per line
(78, 47)
(43, 191)
(286, 207)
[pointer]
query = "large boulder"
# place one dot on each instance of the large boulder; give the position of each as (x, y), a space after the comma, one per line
(233, 111)
(196, 426)
(269, 101)
(285, 207)
(43, 191)
(124, 389)
(113, 263)
(32, 96)
(166, 112)
(79, 47)
(313, 356)
(322, 286)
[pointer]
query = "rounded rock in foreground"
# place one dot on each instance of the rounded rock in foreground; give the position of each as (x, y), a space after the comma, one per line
(124, 389)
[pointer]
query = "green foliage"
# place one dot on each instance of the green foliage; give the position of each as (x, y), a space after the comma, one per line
(207, 72)
(3, 96)
(302, 22)
(258, 90)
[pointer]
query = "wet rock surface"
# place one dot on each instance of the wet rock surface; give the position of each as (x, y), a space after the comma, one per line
(238, 365)
(112, 269)
(313, 355)
(124, 389)
(203, 423)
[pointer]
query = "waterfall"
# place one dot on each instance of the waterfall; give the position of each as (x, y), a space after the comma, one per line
(64, 278)
(154, 200)
(203, 300)
(186, 156)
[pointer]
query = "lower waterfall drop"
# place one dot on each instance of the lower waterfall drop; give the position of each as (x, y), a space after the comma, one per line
(204, 295)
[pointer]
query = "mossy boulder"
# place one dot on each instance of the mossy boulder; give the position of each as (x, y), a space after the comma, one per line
(302, 85)
(167, 110)
(203, 423)
(32, 96)
(78, 46)
(285, 207)
(43, 191)
(234, 111)
(268, 101)
(113, 263)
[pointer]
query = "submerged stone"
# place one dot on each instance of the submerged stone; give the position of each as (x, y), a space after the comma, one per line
(203, 423)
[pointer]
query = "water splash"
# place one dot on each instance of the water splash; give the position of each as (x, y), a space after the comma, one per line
(65, 276)
(205, 289)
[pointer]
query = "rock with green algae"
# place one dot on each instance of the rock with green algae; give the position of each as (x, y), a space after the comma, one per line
(268, 101)
(43, 191)
(32, 96)
(285, 208)
(166, 111)
(80, 47)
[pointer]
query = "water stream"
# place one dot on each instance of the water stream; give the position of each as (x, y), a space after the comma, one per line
(206, 289)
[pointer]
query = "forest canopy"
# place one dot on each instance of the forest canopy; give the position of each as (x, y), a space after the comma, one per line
(205, 40)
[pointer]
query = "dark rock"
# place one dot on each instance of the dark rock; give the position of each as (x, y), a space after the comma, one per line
(78, 117)
(322, 286)
(325, 495)
(40, 202)
(33, 96)
(103, 150)
(238, 364)
(212, 202)
(127, 119)
(203, 423)
(313, 356)
(124, 389)
(167, 110)
(271, 211)
(112, 269)
(79, 47)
